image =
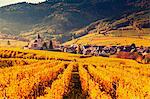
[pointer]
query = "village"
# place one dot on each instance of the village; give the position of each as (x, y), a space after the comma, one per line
(140, 54)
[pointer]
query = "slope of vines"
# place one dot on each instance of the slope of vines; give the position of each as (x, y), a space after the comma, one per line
(53, 75)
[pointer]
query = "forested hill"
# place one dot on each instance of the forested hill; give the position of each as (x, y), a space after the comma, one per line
(60, 19)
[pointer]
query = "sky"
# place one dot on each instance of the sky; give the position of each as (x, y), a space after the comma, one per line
(7, 2)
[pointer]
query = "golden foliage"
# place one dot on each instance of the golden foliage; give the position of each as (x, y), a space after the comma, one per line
(43, 74)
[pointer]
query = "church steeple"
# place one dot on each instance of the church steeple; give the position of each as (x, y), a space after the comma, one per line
(38, 37)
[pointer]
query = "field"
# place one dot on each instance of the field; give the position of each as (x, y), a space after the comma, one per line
(116, 37)
(13, 43)
(30, 74)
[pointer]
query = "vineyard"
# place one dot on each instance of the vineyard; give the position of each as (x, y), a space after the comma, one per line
(30, 74)
(99, 39)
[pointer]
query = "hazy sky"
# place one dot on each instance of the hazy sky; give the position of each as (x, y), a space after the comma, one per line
(7, 2)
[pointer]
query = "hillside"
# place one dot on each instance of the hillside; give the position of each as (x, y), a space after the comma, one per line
(114, 38)
(62, 19)
(134, 21)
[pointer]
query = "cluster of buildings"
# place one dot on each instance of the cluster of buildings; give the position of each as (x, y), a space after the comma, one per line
(39, 44)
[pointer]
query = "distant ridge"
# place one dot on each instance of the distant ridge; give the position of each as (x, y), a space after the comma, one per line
(61, 18)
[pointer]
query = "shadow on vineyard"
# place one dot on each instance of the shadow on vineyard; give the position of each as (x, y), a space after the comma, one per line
(107, 87)
(40, 89)
(27, 55)
(12, 62)
(75, 86)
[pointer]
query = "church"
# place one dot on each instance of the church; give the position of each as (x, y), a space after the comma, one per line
(39, 44)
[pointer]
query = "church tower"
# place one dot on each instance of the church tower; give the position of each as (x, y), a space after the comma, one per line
(38, 37)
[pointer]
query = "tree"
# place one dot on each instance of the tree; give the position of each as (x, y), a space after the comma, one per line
(73, 36)
(8, 42)
(45, 45)
(50, 44)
